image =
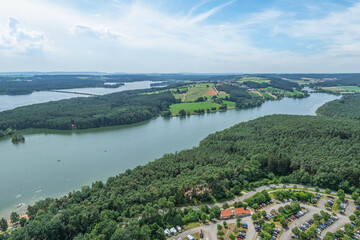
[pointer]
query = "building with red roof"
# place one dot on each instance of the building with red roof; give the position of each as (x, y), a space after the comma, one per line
(226, 214)
(241, 212)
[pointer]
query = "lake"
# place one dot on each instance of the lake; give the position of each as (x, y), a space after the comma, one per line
(13, 101)
(52, 163)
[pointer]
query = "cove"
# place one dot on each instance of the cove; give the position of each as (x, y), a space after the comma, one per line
(53, 163)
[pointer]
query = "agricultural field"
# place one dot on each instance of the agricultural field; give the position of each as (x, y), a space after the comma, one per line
(197, 90)
(254, 79)
(342, 89)
(192, 106)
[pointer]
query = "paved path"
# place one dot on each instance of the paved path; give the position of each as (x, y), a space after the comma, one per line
(253, 192)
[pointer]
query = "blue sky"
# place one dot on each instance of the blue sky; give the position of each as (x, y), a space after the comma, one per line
(252, 36)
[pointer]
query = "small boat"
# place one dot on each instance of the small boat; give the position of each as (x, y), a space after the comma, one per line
(19, 205)
(58, 160)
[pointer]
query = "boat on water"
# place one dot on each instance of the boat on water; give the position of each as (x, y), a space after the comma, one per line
(19, 205)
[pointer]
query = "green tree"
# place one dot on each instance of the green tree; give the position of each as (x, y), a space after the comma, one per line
(296, 231)
(352, 218)
(238, 222)
(355, 195)
(225, 224)
(349, 230)
(22, 221)
(182, 112)
(317, 189)
(312, 232)
(219, 227)
(317, 217)
(327, 191)
(340, 233)
(215, 211)
(14, 217)
(283, 222)
(3, 224)
(231, 236)
(225, 206)
(329, 236)
(204, 217)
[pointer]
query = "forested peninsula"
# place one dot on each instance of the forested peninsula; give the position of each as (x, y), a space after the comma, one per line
(82, 113)
(346, 107)
(277, 148)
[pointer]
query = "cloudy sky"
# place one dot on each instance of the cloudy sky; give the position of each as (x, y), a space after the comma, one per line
(250, 36)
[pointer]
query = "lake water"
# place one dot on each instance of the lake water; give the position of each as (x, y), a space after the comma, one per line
(31, 171)
(8, 102)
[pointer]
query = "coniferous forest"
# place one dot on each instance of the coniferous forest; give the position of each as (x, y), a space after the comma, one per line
(318, 151)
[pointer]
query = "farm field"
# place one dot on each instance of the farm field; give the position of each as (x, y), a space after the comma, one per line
(343, 89)
(196, 91)
(254, 79)
(191, 107)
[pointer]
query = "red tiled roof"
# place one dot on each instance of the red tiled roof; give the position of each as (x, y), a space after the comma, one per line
(226, 213)
(241, 211)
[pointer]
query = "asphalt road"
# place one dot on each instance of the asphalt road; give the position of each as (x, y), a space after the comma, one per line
(211, 229)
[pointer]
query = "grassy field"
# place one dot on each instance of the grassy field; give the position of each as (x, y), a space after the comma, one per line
(191, 107)
(343, 89)
(266, 95)
(294, 93)
(229, 104)
(223, 95)
(351, 88)
(254, 79)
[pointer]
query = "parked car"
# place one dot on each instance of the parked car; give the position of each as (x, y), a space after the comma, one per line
(173, 231)
(167, 232)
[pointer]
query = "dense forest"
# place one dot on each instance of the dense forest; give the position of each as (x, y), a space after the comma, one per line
(342, 79)
(346, 107)
(92, 112)
(26, 84)
(318, 151)
(18, 85)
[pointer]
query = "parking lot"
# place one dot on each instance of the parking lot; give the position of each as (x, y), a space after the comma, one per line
(210, 230)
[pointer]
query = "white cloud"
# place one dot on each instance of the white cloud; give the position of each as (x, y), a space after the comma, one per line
(138, 36)
(22, 40)
(339, 31)
(99, 32)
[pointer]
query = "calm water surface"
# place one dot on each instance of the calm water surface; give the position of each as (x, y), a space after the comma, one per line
(31, 171)
(8, 102)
